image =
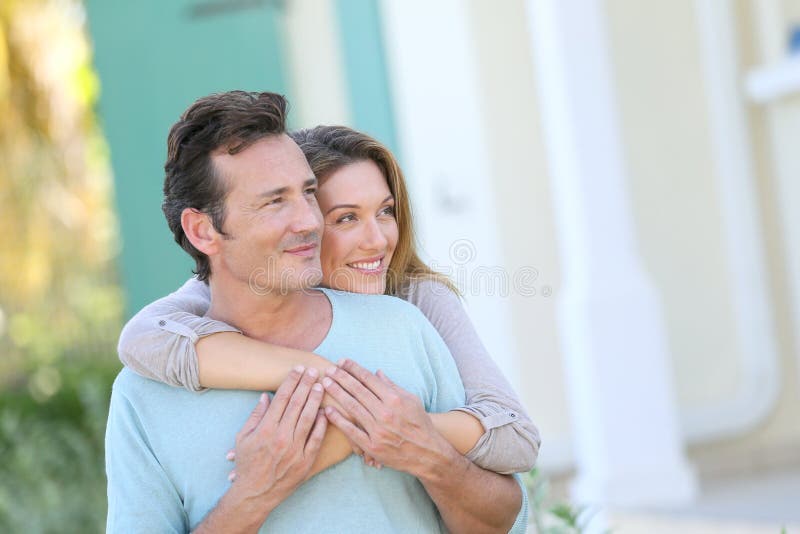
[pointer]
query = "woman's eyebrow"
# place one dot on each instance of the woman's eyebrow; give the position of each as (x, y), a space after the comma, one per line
(337, 206)
(355, 206)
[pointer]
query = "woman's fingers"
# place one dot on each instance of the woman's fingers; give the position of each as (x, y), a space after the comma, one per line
(372, 462)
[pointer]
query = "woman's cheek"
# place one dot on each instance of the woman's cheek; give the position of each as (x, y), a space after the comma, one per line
(332, 256)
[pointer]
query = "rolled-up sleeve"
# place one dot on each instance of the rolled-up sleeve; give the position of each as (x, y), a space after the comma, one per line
(159, 341)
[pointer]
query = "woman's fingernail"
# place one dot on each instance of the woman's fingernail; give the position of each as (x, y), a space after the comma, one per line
(327, 382)
(312, 372)
(262, 398)
(317, 387)
(299, 368)
(231, 455)
(330, 370)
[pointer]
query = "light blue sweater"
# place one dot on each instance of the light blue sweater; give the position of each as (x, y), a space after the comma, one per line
(165, 446)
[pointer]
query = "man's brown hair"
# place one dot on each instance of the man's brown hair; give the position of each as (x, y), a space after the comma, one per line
(231, 121)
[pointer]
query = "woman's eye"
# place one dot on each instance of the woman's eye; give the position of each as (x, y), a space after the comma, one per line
(388, 210)
(346, 218)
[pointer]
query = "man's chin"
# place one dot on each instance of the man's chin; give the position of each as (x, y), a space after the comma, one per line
(284, 281)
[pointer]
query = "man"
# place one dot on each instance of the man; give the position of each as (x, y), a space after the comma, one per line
(239, 195)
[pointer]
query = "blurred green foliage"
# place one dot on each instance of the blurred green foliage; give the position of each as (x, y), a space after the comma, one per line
(52, 478)
(60, 301)
(550, 516)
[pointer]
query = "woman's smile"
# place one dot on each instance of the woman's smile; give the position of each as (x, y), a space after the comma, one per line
(369, 266)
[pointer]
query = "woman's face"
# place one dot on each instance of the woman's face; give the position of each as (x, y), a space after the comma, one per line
(360, 229)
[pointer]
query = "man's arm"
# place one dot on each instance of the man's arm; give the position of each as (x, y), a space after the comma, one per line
(141, 497)
(469, 498)
(396, 431)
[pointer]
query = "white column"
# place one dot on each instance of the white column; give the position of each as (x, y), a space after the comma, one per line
(628, 444)
(782, 119)
(755, 398)
(445, 160)
(317, 82)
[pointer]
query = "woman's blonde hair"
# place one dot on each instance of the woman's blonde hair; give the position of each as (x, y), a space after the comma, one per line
(328, 149)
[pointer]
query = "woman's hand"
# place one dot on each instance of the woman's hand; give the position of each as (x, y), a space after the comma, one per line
(386, 422)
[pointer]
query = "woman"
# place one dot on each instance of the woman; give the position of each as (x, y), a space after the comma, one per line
(367, 247)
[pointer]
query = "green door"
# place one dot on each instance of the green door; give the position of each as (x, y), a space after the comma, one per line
(154, 58)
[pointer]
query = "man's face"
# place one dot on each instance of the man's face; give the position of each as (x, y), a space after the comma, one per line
(273, 223)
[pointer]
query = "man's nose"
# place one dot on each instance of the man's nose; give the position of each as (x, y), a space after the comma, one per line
(307, 217)
(374, 238)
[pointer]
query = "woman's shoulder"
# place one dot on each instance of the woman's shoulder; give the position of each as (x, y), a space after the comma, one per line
(429, 293)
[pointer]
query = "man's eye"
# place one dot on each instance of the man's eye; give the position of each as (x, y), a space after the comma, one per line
(274, 201)
(311, 191)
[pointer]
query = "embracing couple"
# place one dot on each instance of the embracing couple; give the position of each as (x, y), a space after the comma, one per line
(388, 415)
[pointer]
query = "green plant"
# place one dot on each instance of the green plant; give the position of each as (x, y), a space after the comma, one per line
(52, 477)
(554, 517)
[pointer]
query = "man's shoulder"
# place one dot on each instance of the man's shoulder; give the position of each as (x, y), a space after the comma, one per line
(134, 386)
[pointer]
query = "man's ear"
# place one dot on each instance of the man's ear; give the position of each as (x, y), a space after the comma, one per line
(200, 231)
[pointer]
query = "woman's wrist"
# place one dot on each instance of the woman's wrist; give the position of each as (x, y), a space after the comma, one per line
(462, 430)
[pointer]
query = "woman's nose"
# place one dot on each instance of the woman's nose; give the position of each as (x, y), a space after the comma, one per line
(374, 238)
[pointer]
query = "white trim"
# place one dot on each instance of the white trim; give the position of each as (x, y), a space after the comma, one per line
(317, 81)
(756, 398)
(774, 82)
(771, 28)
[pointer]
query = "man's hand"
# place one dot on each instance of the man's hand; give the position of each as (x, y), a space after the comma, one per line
(396, 431)
(389, 425)
(275, 450)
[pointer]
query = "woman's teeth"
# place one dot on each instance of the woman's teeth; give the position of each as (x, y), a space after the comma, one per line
(367, 266)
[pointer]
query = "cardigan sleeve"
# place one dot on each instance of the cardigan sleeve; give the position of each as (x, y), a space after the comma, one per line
(511, 441)
(159, 341)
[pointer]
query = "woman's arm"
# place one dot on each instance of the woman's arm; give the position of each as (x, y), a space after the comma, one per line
(233, 361)
(169, 341)
(511, 441)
